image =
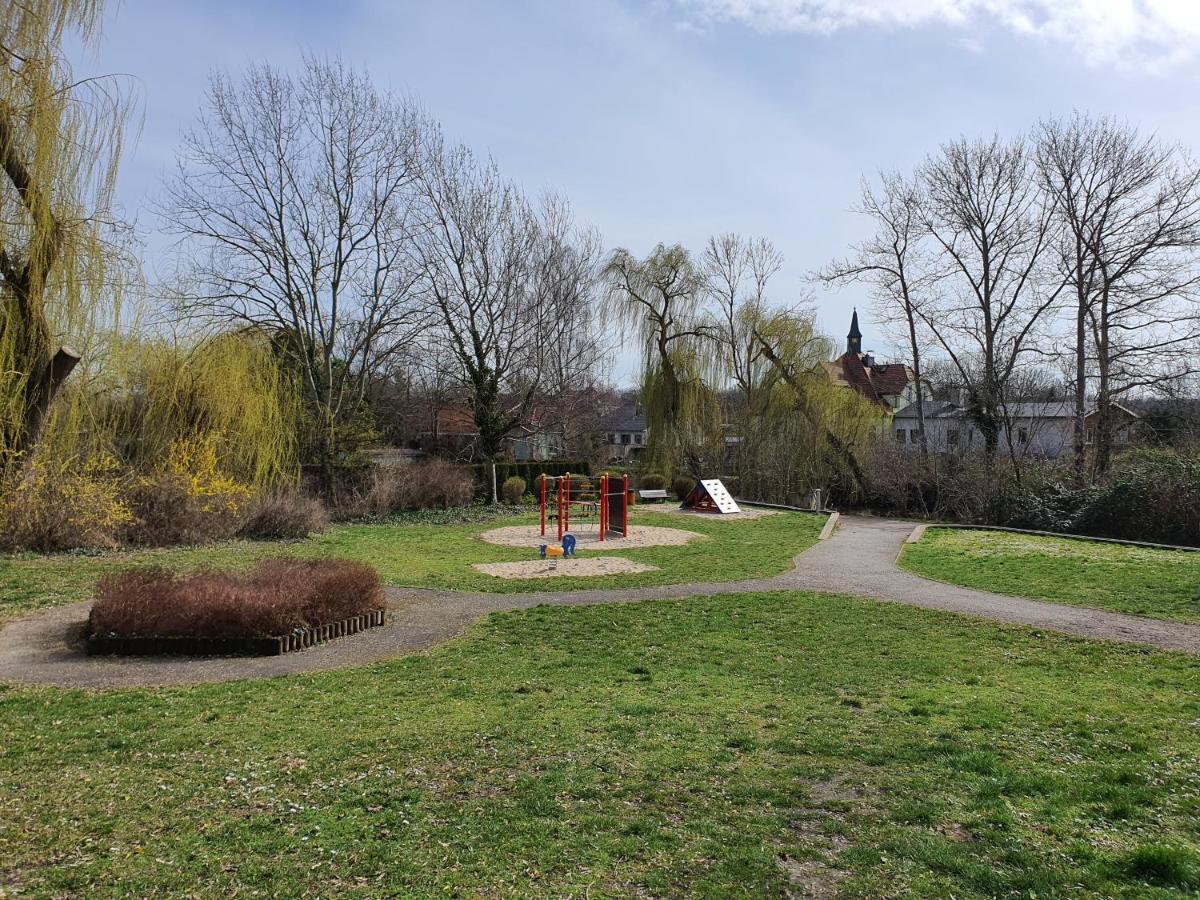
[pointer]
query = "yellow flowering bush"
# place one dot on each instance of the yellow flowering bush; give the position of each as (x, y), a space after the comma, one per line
(49, 507)
(189, 499)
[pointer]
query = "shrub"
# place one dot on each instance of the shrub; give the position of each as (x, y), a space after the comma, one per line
(1152, 495)
(284, 514)
(682, 485)
(48, 509)
(189, 500)
(275, 597)
(513, 489)
(530, 470)
(652, 481)
(433, 484)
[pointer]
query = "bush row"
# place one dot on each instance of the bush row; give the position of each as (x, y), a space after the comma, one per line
(1150, 494)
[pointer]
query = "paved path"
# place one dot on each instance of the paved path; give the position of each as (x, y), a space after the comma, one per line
(859, 559)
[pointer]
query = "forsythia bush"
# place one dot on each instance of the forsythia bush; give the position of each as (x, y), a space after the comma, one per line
(98, 504)
(58, 508)
(189, 499)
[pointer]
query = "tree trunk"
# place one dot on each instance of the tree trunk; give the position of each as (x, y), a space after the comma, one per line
(1080, 461)
(40, 394)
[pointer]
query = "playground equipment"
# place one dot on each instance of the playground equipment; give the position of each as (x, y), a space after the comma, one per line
(567, 498)
(709, 495)
(554, 554)
(566, 550)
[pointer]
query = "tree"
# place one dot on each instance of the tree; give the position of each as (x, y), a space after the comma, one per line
(985, 216)
(896, 266)
(60, 142)
(735, 274)
(1129, 212)
(505, 283)
(294, 196)
(660, 299)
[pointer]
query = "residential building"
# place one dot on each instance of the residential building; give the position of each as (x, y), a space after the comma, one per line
(1039, 429)
(890, 385)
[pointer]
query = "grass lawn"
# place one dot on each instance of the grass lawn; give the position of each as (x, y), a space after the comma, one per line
(1163, 584)
(725, 746)
(439, 556)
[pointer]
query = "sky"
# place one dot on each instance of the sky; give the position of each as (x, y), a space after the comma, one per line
(673, 120)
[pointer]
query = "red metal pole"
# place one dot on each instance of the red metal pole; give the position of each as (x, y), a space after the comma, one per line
(603, 504)
(564, 504)
(625, 501)
(543, 504)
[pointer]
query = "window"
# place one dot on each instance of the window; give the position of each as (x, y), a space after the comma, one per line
(637, 437)
(1022, 436)
(900, 435)
(626, 437)
(952, 437)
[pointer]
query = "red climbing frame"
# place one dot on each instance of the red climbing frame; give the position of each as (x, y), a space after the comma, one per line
(612, 500)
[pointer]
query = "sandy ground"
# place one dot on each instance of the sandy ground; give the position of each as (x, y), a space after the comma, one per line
(567, 568)
(588, 537)
(747, 512)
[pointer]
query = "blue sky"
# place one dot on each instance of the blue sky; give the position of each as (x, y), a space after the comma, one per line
(671, 120)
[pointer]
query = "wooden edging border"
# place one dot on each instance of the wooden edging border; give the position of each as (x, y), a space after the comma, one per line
(919, 532)
(299, 639)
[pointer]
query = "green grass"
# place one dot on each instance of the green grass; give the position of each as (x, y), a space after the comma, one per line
(438, 556)
(718, 746)
(1163, 584)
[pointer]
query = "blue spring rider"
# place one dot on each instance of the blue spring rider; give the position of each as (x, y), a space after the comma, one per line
(567, 549)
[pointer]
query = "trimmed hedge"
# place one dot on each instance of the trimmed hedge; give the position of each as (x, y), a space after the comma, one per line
(529, 471)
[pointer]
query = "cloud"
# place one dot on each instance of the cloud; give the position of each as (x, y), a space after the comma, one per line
(1153, 34)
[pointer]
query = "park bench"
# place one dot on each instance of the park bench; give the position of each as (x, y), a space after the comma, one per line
(652, 495)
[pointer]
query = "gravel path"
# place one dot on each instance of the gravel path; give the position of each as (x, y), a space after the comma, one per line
(859, 559)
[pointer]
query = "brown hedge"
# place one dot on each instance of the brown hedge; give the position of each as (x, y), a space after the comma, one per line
(273, 598)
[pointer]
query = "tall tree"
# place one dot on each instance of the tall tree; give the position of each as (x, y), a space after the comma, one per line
(507, 284)
(1129, 210)
(60, 141)
(294, 196)
(897, 267)
(660, 298)
(984, 214)
(736, 272)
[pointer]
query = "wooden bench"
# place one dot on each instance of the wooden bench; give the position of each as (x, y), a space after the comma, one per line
(652, 495)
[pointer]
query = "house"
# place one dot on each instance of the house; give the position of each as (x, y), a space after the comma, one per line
(888, 385)
(625, 431)
(1042, 429)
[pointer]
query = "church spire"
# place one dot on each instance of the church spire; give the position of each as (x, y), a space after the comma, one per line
(854, 338)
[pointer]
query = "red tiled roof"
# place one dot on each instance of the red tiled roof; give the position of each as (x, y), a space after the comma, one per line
(874, 382)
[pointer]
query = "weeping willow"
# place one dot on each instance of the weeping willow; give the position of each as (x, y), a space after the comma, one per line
(796, 430)
(62, 264)
(658, 300)
(80, 385)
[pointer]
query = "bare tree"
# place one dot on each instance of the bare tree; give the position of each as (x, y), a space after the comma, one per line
(896, 265)
(985, 216)
(293, 198)
(506, 283)
(1129, 209)
(735, 273)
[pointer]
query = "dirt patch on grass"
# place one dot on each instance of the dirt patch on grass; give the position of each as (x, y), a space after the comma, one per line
(746, 512)
(588, 537)
(566, 568)
(810, 878)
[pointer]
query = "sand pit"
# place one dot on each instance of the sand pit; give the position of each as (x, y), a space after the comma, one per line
(747, 512)
(567, 568)
(588, 538)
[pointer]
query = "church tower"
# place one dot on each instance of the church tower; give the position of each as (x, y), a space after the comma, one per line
(854, 338)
